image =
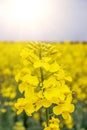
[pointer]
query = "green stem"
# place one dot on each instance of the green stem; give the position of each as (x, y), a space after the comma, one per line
(42, 79)
(47, 116)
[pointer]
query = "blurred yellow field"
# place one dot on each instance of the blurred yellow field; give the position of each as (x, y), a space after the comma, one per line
(43, 86)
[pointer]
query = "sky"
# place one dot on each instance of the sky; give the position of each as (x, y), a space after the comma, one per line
(43, 20)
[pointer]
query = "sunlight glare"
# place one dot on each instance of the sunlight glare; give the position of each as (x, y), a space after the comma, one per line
(28, 9)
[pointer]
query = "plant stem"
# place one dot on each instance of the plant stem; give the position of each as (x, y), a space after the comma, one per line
(47, 116)
(42, 79)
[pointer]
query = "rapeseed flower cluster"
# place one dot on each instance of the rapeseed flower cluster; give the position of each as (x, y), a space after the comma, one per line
(54, 124)
(42, 80)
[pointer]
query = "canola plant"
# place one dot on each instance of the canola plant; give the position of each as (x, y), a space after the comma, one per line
(45, 84)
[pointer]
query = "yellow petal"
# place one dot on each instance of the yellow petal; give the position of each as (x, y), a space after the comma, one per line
(57, 110)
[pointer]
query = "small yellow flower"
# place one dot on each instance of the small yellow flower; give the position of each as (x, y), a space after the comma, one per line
(54, 124)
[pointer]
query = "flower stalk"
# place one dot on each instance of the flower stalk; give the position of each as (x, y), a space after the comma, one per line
(47, 116)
